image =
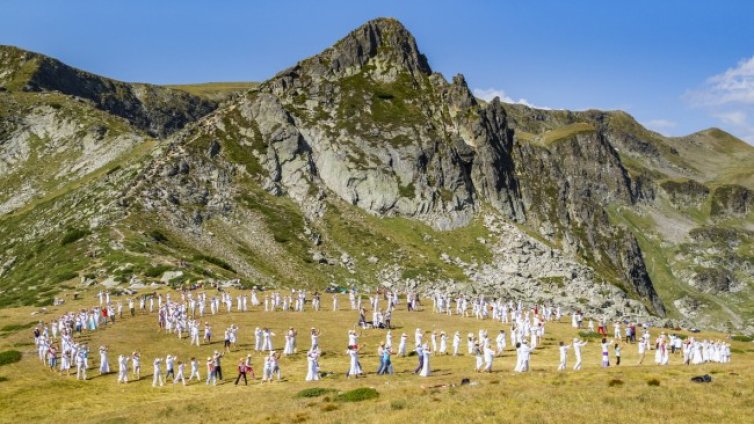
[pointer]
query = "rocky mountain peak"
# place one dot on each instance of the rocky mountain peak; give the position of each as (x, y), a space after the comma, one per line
(384, 45)
(384, 38)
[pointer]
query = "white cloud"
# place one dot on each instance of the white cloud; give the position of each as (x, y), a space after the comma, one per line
(735, 117)
(488, 94)
(734, 86)
(729, 97)
(660, 125)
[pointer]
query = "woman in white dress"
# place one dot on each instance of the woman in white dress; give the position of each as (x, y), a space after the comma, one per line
(267, 339)
(456, 343)
(426, 370)
(402, 345)
(312, 361)
(489, 355)
(290, 342)
(355, 367)
(443, 343)
(478, 355)
(315, 338)
(104, 364)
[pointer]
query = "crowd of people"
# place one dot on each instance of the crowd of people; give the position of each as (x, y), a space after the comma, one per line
(186, 315)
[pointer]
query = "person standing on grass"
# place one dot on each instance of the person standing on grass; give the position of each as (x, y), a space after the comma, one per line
(81, 364)
(271, 367)
(242, 372)
(170, 366)
(426, 370)
(314, 338)
(157, 373)
(136, 365)
(617, 348)
(605, 353)
(479, 356)
(456, 342)
(489, 356)
(312, 362)
(207, 333)
(104, 364)
(194, 370)
(642, 347)
(577, 345)
(211, 371)
(402, 345)
(386, 364)
(180, 376)
(443, 343)
(218, 365)
(420, 355)
(354, 369)
(563, 348)
(123, 369)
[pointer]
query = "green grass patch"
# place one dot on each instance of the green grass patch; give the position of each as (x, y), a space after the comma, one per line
(10, 357)
(358, 395)
(741, 338)
(590, 335)
(314, 392)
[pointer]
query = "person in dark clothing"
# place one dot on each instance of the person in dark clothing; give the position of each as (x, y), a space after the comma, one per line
(242, 372)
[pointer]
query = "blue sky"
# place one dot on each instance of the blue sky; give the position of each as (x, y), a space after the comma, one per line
(677, 66)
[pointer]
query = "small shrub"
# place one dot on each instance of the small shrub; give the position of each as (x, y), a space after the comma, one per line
(397, 405)
(653, 382)
(73, 235)
(589, 335)
(616, 382)
(358, 395)
(313, 392)
(3, 378)
(743, 338)
(9, 357)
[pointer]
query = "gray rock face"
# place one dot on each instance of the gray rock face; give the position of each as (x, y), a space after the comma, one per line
(686, 193)
(732, 200)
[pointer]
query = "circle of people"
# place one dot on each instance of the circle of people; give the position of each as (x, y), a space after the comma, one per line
(58, 349)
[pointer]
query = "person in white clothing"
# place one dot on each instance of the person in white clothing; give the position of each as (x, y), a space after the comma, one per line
(563, 348)
(194, 370)
(157, 373)
(122, 369)
(577, 345)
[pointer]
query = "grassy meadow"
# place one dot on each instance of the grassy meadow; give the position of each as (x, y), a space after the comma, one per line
(30, 392)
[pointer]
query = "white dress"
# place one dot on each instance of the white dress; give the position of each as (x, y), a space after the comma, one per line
(355, 368)
(312, 373)
(104, 364)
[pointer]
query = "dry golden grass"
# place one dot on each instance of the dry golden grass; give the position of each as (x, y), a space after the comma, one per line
(34, 394)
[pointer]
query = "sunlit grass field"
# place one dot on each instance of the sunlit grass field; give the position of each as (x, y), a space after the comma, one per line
(29, 392)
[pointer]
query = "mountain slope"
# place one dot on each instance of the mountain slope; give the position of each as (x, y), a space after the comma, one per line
(360, 165)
